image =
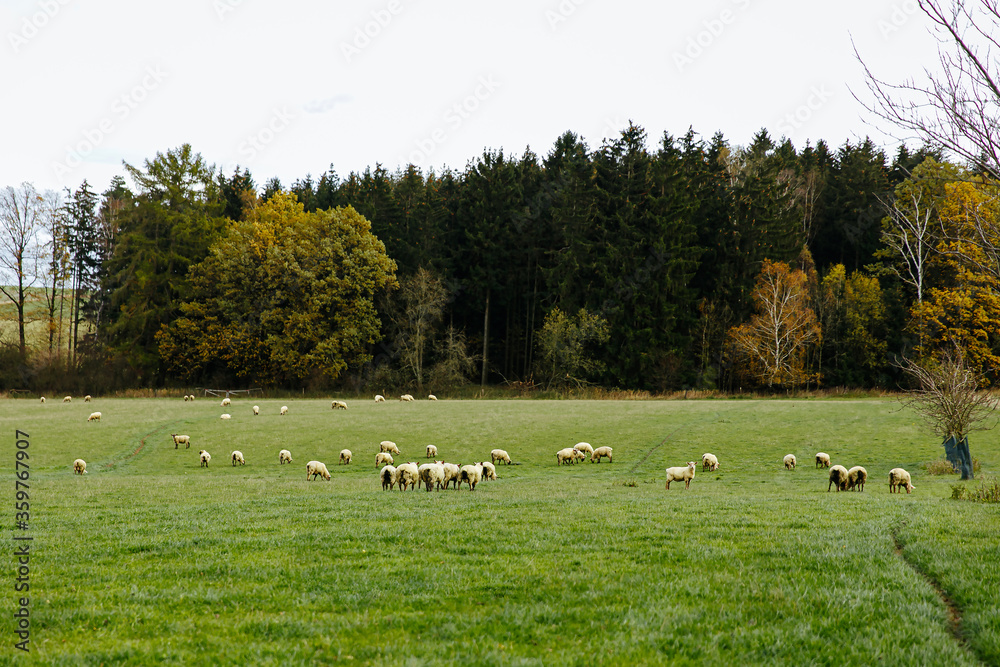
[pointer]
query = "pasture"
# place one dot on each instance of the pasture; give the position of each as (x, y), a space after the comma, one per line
(150, 559)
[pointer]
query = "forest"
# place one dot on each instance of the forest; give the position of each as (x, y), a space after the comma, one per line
(654, 264)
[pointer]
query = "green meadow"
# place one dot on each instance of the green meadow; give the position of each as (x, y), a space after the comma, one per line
(151, 559)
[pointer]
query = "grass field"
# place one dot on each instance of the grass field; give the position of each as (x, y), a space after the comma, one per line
(150, 559)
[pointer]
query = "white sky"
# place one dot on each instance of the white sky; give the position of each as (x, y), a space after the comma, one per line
(289, 88)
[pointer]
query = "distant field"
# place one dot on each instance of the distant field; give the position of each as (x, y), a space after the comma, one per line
(36, 321)
(150, 559)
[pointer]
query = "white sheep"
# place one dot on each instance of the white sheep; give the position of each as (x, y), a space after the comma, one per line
(226, 401)
(345, 456)
(499, 455)
(256, 409)
(67, 399)
(94, 417)
(315, 468)
(379, 398)
(709, 462)
(567, 455)
(86, 399)
(338, 405)
(406, 397)
(471, 474)
(899, 479)
(679, 473)
(822, 460)
(856, 478)
(43, 399)
(489, 470)
(432, 451)
(389, 476)
(431, 397)
(186, 398)
(226, 415)
(599, 452)
(284, 456)
(181, 440)
(237, 457)
(407, 473)
(838, 476)
(80, 467)
(192, 397)
(431, 475)
(789, 461)
(388, 446)
(451, 473)
(284, 410)
(584, 447)
(204, 457)
(383, 458)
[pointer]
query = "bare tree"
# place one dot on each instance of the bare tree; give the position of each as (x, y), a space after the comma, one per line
(907, 233)
(21, 210)
(57, 265)
(421, 302)
(948, 398)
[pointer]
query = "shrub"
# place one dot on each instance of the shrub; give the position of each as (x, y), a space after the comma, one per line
(945, 467)
(988, 491)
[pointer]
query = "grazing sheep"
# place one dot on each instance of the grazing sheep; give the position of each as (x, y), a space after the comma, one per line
(379, 398)
(338, 405)
(192, 397)
(431, 475)
(284, 410)
(256, 409)
(407, 473)
(67, 399)
(389, 476)
(205, 457)
(489, 471)
(599, 452)
(567, 455)
(226, 415)
(317, 468)
(838, 476)
(181, 440)
(345, 456)
(471, 474)
(186, 398)
(679, 473)
(432, 451)
(856, 478)
(584, 447)
(431, 397)
(382, 458)
(451, 473)
(406, 397)
(899, 479)
(86, 399)
(822, 460)
(499, 455)
(80, 467)
(284, 456)
(226, 401)
(789, 461)
(94, 417)
(388, 446)
(237, 457)
(709, 462)
(43, 399)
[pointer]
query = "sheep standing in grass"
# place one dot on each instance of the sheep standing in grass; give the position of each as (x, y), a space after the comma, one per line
(284, 456)
(406, 397)
(567, 455)
(856, 478)
(383, 458)
(432, 451)
(256, 410)
(86, 399)
(43, 399)
(451, 473)
(94, 417)
(789, 461)
(345, 456)
(192, 397)
(67, 399)
(407, 473)
(499, 455)
(204, 457)
(284, 410)
(226, 416)
(379, 398)
(338, 405)
(431, 397)
(226, 402)
(838, 476)
(709, 462)
(237, 457)
(679, 473)
(80, 467)
(389, 475)
(431, 475)
(489, 470)
(472, 475)
(388, 446)
(601, 452)
(899, 479)
(584, 447)
(314, 468)
(822, 460)
(181, 440)
(186, 398)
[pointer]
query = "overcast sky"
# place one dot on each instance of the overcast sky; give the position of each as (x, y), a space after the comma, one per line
(290, 88)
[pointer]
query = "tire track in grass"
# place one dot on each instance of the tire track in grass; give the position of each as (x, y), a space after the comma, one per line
(954, 612)
(645, 458)
(121, 461)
